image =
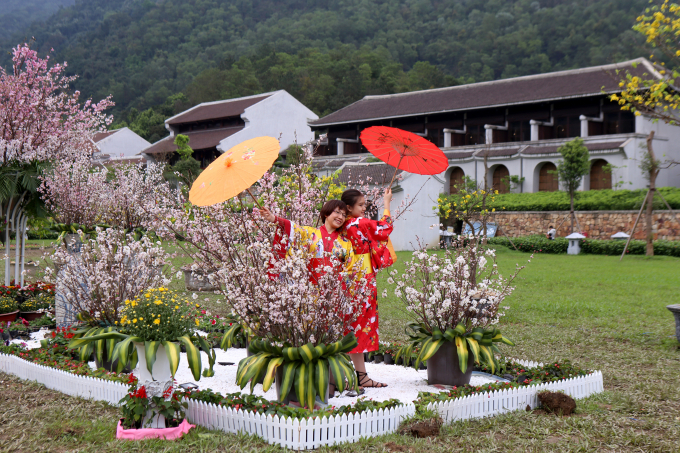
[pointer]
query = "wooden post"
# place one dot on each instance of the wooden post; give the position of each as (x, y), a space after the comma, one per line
(630, 237)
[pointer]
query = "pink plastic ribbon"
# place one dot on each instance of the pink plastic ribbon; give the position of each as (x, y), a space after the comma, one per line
(154, 433)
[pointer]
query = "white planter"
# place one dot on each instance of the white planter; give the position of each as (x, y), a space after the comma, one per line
(155, 382)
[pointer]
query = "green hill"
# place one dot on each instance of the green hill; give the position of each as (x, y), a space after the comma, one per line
(326, 53)
(16, 15)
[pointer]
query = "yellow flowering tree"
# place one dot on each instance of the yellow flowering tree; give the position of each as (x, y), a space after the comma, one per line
(652, 93)
(469, 204)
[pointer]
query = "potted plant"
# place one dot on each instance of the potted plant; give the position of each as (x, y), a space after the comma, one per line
(18, 328)
(151, 329)
(35, 307)
(8, 309)
(454, 299)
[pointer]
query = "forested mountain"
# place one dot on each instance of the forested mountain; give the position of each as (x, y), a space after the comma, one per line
(327, 53)
(16, 15)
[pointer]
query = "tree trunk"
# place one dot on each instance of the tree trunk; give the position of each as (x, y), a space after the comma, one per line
(571, 209)
(653, 173)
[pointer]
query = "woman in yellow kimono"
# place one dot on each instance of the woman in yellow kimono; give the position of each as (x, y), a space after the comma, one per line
(319, 240)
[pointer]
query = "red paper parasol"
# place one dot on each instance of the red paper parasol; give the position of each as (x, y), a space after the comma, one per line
(404, 150)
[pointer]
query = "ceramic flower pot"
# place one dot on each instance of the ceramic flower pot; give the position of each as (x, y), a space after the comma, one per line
(155, 382)
(31, 315)
(9, 317)
(388, 359)
(443, 367)
(675, 309)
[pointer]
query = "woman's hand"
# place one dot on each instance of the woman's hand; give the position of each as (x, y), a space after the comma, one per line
(387, 198)
(265, 214)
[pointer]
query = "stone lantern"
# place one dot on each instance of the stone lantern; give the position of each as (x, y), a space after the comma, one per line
(574, 243)
(620, 235)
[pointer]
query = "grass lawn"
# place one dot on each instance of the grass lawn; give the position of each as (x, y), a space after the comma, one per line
(592, 310)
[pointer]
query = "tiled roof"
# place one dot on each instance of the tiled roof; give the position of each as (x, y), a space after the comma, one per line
(367, 174)
(215, 110)
(498, 152)
(99, 136)
(519, 90)
(197, 140)
(458, 154)
(552, 149)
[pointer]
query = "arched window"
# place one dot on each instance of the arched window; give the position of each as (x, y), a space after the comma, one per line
(457, 178)
(599, 178)
(500, 179)
(547, 179)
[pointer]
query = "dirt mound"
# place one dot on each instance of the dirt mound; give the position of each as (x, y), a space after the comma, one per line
(422, 428)
(556, 402)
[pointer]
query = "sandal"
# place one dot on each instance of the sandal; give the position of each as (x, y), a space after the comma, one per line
(364, 380)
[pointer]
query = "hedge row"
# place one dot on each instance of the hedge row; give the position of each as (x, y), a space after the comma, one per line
(591, 200)
(540, 244)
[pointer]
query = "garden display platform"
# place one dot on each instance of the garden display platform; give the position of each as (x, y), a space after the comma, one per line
(306, 434)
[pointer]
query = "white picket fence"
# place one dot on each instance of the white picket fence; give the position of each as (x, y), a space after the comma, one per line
(305, 434)
(61, 381)
(310, 433)
(502, 401)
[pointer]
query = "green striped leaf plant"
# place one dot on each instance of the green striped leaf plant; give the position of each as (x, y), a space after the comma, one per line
(306, 369)
(454, 296)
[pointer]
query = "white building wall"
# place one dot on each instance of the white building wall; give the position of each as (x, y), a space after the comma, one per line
(414, 225)
(122, 143)
(279, 116)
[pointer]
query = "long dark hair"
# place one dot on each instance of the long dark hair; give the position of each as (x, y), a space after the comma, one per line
(351, 197)
(331, 206)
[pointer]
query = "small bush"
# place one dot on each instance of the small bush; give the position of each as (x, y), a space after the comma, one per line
(540, 244)
(591, 200)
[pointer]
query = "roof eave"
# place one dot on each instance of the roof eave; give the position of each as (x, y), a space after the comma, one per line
(464, 109)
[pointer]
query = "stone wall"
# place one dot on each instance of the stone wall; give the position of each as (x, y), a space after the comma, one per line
(597, 224)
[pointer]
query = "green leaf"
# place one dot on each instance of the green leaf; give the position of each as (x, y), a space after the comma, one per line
(461, 347)
(270, 375)
(308, 352)
(474, 347)
(150, 349)
(229, 336)
(460, 329)
(321, 378)
(430, 349)
(78, 342)
(125, 349)
(477, 333)
(488, 357)
(172, 351)
(338, 372)
(193, 356)
(449, 335)
(289, 371)
(503, 339)
(437, 334)
(304, 385)
(291, 354)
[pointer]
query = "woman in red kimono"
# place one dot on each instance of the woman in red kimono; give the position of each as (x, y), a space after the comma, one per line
(369, 240)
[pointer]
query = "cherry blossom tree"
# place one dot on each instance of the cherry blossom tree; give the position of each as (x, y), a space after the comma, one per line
(41, 121)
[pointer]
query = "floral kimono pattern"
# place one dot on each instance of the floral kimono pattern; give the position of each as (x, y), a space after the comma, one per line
(369, 239)
(318, 240)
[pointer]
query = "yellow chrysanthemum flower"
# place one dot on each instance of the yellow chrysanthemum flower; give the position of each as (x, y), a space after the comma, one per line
(157, 321)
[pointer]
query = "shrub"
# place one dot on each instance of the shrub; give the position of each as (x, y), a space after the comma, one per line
(591, 200)
(540, 244)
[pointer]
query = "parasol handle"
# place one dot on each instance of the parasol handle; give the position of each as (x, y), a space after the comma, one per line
(254, 199)
(395, 171)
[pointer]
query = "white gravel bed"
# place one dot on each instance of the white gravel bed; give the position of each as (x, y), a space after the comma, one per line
(34, 342)
(403, 383)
